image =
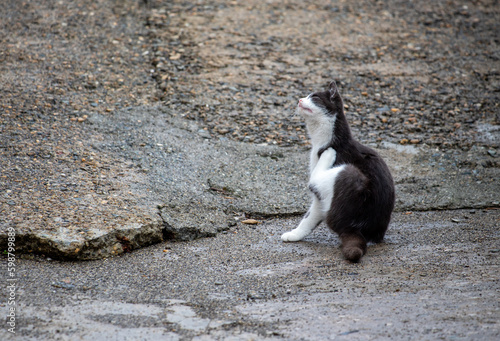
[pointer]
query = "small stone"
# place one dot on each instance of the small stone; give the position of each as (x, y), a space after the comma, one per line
(383, 109)
(175, 56)
(253, 295)
(492, 152)
(63, 285)
(204, 133)
(455, 220)
(250, 222)
(404, 141)
(414, 141)
(82, 119)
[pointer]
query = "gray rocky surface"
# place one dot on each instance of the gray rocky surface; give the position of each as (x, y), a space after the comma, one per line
(199, 186)
(124, 124)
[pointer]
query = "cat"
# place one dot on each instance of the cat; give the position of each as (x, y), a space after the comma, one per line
(352, 187)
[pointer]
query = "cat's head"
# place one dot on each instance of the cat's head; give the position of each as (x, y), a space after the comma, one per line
(320, 104)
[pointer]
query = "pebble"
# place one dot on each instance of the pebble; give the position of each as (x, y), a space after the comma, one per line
(253, 295)
(204, 133)
(250, 222)
(63, 285)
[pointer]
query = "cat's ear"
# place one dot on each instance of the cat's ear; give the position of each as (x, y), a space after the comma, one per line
(333, 89)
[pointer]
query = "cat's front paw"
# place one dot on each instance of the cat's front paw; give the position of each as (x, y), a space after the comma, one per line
(327, 159)
(291, 236)
(329, 155)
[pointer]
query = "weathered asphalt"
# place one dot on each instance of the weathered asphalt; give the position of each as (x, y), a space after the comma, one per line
(435, 277)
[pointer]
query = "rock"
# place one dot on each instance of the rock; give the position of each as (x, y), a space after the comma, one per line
(250, 221)
(63, 285)
(192, 221)
(204, 133)
(253, 295)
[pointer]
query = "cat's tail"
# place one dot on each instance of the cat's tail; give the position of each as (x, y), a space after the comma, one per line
(353, 246)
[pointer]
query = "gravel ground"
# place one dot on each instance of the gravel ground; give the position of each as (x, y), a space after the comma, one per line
(415, 72)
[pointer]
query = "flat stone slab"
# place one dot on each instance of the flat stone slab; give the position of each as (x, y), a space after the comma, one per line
(183, 184)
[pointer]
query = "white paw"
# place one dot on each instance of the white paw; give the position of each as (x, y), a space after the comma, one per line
(329, 155)
(291, 236)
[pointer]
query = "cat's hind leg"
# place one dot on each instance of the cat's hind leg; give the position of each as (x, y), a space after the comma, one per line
(348, 213)
(311, 220)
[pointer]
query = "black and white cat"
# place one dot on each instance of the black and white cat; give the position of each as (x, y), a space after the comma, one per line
(351, 186)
